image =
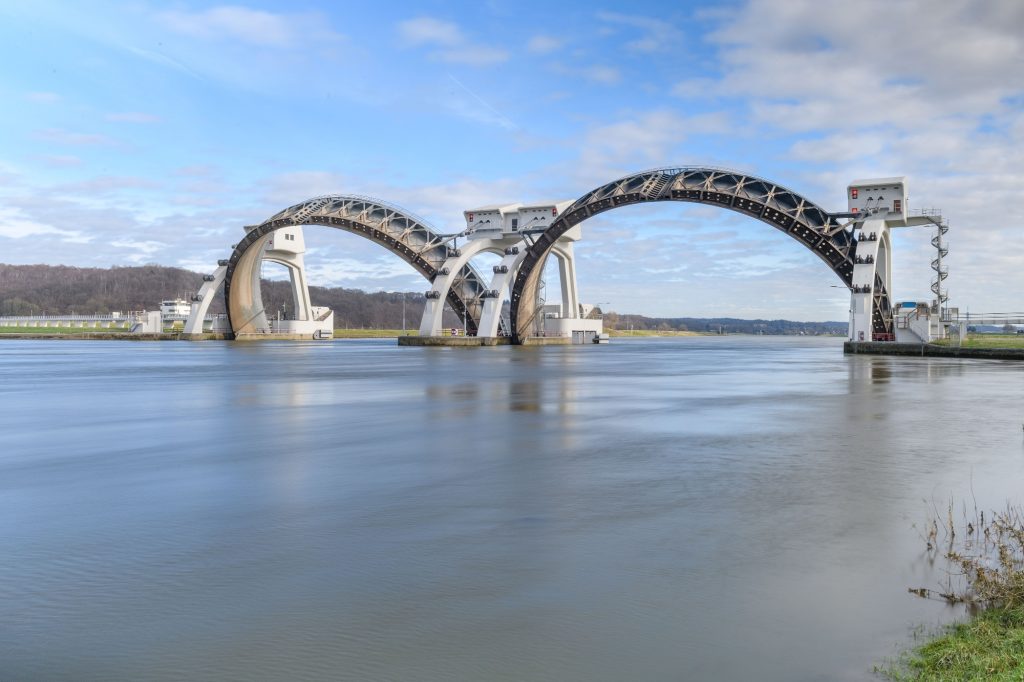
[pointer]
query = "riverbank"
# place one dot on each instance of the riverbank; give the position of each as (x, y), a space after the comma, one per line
(652, 333)
(78, 333)
(104, 335)
(88, 336)
(986, 341)
(990, 646)
(984, 556)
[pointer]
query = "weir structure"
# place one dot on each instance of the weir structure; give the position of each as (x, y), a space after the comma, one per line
(855, 244)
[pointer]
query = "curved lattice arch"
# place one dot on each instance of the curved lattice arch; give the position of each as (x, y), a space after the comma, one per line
(397, 230)
(829, 236)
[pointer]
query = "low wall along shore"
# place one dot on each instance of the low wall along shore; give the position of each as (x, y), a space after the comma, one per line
(930, 350)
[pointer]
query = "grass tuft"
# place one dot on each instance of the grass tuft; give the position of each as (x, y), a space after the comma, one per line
(988, 647)
(985, 558)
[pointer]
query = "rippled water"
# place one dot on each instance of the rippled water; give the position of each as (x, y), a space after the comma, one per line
(688, 509)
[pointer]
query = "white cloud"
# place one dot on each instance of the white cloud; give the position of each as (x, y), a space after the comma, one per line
(656, 35)
(808, 66)
(646, 140)
(840, 147)
(15, 225)
(249, 26)
(256, 50)
(603, 75)
(449, 43)
(430, 31)
(342, 271)
(43, 97)
(440, 204)
(543, 44)
(932, 91)
(105, 184)
(142, 250)
(287, 189)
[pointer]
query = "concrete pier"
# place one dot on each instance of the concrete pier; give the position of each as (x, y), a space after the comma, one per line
(462, 341)
(476, 341)
(930, 350)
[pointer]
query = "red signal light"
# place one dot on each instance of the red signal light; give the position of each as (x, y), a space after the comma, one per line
(853, 193)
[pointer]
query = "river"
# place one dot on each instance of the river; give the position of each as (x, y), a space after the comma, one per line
(709, 508)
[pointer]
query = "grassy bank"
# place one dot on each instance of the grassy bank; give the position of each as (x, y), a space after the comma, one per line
(61, 330)
(985, 563)
(987, 341)
(649, 332)
(988, 647)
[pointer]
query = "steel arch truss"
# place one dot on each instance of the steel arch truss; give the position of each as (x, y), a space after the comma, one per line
(402, 233)
(829, 237)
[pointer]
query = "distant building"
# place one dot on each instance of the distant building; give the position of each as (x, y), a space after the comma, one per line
(178, 309)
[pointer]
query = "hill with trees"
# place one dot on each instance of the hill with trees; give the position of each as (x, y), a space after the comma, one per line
(61, 289)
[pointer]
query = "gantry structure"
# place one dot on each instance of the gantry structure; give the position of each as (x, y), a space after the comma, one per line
(854, 244)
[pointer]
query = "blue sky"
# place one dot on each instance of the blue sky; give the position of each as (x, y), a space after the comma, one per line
(142, 132)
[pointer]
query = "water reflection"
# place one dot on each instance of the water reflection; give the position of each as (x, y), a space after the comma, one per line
(655, 509)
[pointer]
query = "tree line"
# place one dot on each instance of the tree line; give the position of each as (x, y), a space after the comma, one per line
(62, 289)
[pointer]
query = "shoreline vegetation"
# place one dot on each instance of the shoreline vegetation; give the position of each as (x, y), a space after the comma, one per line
(979, 342)
(984, 557)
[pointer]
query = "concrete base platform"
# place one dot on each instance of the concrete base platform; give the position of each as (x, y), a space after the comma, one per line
(277, 337)
(549, 341)
(463, 341)
(930, 350)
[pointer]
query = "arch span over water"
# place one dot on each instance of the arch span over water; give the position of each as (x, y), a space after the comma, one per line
(397, 230)
(825, 234)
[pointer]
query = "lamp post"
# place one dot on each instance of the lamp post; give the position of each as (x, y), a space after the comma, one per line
(403, 313)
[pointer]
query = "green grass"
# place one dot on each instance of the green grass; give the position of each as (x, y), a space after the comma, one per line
(649, 332)
(987, 341)
(990, 646)
(372, 333)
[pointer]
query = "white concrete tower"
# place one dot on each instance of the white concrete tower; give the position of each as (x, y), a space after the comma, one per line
(877, 205)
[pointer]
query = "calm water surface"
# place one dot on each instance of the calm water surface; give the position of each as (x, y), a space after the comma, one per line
(678, 509)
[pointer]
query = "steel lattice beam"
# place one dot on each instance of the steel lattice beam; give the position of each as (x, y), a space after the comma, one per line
(400, 232)
(825, 234)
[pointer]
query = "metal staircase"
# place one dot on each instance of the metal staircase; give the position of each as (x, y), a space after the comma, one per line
(655, 184)
(309, 209)
(941, 271)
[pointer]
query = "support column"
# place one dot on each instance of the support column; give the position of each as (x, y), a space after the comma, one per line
(878, 252)
(246, 302)
(567, 279)
(490, 318)
(430, 325)
(302, 306)
(198, 309)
